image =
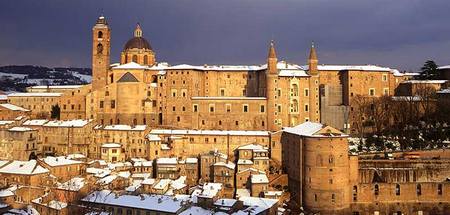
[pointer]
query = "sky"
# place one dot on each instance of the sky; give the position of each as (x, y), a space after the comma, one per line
(402, 34)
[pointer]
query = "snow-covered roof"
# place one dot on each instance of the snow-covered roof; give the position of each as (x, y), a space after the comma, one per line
(244, 162)
(209, 132)
(75, 156)
(444, 91)
(122, 127)
(14, 107)
(34, 95)
(111, 145)
(216, 67)
(130, 65)
(197, 211)
(229, 165)
(99, 173)
(153, 138)
(8, 191)
(179, 183)
(225, 202)
(191, 160)
(57, 87)
(252, 147)
(310, 129)
(74, 184)
(167, 161)
(148, 181)
(59, 161)
(227, 98)
(3, 97)
(54, 204)
(292, 73)
(444, 67)
(20, 129)
(78, 123)
(425, 81)
(23, 168)
(162, 184)
(373, 68)
(35, 122)
(107, 180)
(143, 163)
(259, 179)
(252, 169)
(6, 122)
(210, 190)
(257, 205)
(152, 202)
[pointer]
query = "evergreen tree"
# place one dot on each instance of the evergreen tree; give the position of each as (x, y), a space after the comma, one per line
(56, 111)
(429, 70)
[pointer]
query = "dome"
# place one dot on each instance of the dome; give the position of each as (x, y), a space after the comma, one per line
(137, 43)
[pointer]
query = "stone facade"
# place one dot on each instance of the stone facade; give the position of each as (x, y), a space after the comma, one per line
(324, 178)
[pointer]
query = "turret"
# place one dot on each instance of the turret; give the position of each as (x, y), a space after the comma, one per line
(272, 59)
(313, 61)
(271, 89)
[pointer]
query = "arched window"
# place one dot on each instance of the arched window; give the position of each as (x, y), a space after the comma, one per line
(377, 189)
(134, 58)
(295, 90)
(99, 48)
(100, 34)
(295, 105)
(145, 60)
(397, 189)
(419, 189)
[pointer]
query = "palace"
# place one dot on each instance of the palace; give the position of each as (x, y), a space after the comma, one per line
(139, 90)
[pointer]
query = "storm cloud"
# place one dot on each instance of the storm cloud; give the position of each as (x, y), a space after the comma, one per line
(401, 33)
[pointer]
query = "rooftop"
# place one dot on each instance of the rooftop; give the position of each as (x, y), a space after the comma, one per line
(14, 107)
(209, 132)
(23, 168)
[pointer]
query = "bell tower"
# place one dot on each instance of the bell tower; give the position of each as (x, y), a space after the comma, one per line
(101, 43)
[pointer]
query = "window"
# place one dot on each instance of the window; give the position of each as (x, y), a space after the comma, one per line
(295, 90)
(245, 108)
(134, 59)
(386, 91)
(315, 197)
(145, 59)
(279, 108)
(262, 108)
(397, 189)
(355, 193)
(236, 123)
(306, 108)
(372, 92)
(100, 34)
(377, 190)
(333, 198)
(113, 104)
(228, 107)
(195, 108)
(211, 108)
(99, 48)
(419, 189)
(385, 77)
(222, 92)
(173, 108)
(279, 92)
(306, 92)
(439, 189)
(178, 119)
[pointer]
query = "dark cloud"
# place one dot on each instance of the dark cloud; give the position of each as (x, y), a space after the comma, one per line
(400, 33)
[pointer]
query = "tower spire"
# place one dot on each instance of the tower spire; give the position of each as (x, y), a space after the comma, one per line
(272, 53)
(313, 61)
(272, 60)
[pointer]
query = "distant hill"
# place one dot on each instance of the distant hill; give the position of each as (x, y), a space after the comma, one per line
(17, 78)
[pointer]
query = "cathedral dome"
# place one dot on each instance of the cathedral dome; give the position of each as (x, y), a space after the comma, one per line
(137, 42)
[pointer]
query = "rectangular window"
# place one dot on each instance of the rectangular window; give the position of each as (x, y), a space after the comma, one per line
(279, 92)
(228, 107)
(195, 108)
(385, 77)
(113, 104)
(279, 108)
(262, 108)
(245, 108)
(372, 92)
(386, 91)
(306, 92)
(211, 108)
(222, 92)
(306, 108)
